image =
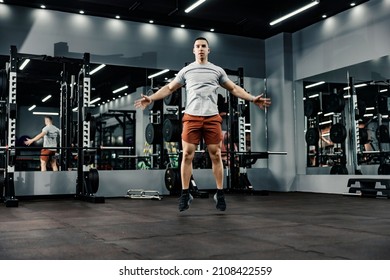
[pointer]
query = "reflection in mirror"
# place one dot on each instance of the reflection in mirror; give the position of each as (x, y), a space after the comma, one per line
(48, 86)
(347, 119)
(324, 108)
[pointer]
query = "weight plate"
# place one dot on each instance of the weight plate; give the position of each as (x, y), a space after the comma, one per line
(338, 169)
(172, 130)
(384, 169)
(172, 180)
(382, 104)
(335, 103)
(312, 136)
(382, 134)
(93, 179)
(311, 107)
(363, 136)
(153, 133)
(361, 109)
(173, 99)
(338, 133)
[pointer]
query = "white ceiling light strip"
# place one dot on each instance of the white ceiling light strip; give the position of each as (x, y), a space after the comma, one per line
(46, 113)
(315, 84)
(158, 73)
(120, 89)
(100, 67)
(193, 6)
(300, 10)
(24, 64)
(46, 98)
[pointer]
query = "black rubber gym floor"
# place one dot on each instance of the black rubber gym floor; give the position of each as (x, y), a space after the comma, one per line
(280, 226)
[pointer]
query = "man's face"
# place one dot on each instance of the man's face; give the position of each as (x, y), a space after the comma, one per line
(201, 48)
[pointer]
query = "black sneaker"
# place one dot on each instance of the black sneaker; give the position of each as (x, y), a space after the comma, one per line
(220, 203)
(185, 201)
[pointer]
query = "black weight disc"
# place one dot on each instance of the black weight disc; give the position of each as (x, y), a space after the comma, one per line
(382, 134)
(338, 133)
(338, 169)
(335, 103)
(312, 136)
(363, 136)
(153, 133)
(172, 130)
(384, 169)
(311, 107)
(93, 179)
(173, 99)
(361, 109)
(382, 104)
(172, 180)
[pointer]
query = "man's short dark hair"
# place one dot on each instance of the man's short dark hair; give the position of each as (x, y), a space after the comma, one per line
(49, 117)
(201, 38)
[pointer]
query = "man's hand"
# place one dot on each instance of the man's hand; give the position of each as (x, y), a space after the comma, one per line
(143, 102)
(28, 142)
(261, 101)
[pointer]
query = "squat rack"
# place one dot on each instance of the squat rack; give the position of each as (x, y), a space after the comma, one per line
(87, 178)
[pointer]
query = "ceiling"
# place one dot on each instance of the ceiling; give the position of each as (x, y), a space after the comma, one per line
(246, 18)
(242, 18)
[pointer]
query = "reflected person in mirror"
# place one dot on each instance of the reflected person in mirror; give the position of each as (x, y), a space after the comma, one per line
(201, 119)
(50, 134)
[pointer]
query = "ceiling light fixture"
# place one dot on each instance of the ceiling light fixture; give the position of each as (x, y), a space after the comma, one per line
(158, 74)
(314, 95)
(182, 26)
(46, 113)
(353, 4)
(24, 64)
(117, 17)
(212, 30)
(32, 107)
(324, 16)
(325, 122)
(46, 98)
(308, 6)
(81, 12)
(356, 86)
(315, 84)
(43, 6)
(383, 90)
(94, 101)
(151, 21)
(193, 6)
(100, 67)
(120, 89)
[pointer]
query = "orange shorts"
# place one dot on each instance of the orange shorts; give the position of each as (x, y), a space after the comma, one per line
(46, 154)
(197, 127)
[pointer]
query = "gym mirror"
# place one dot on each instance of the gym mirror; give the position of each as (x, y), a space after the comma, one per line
(347, 119)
